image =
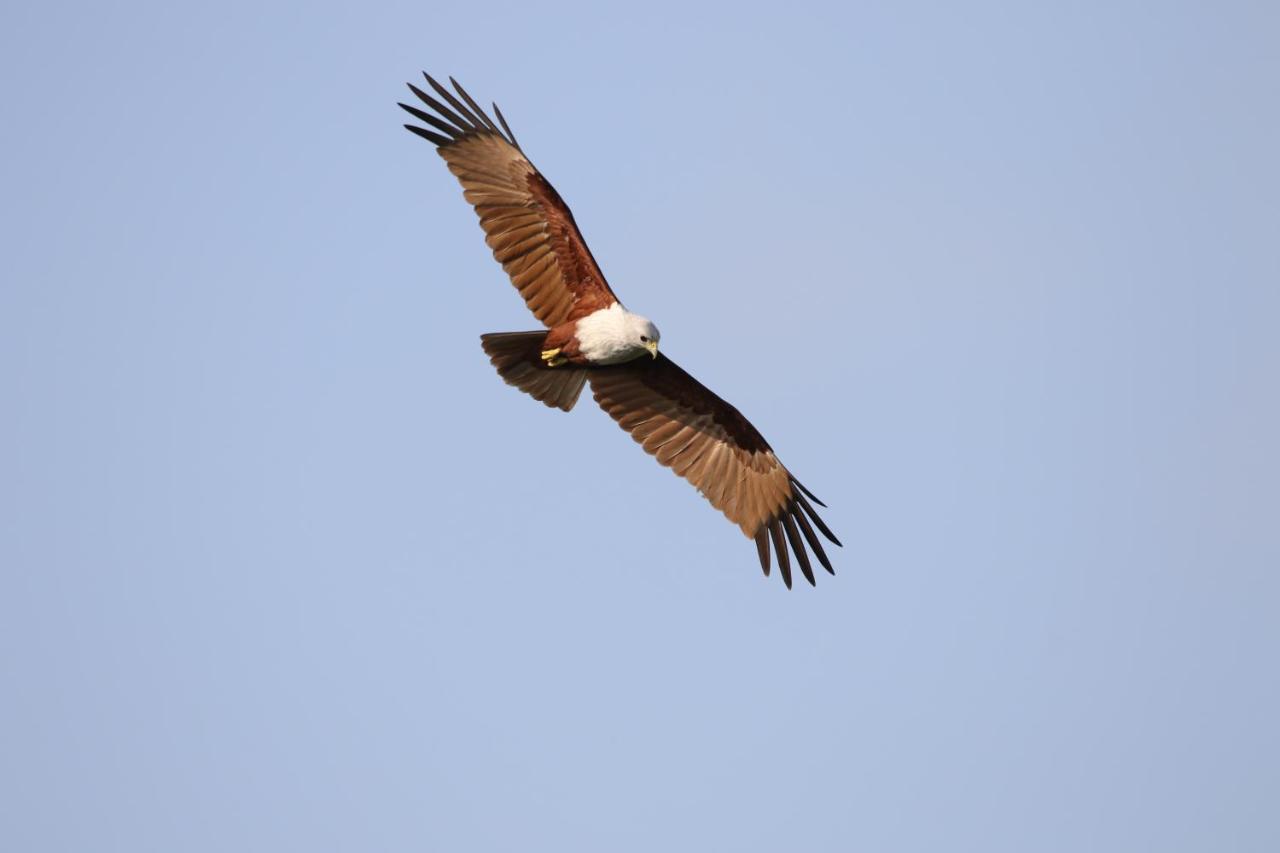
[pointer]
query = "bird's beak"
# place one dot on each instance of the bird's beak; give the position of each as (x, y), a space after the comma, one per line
(652, 347)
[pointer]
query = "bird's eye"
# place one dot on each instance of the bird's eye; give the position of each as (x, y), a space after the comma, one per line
(643, 339)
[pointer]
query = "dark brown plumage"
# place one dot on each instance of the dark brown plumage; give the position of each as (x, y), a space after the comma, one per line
(674, 417)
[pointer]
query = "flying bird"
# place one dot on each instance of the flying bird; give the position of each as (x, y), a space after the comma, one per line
(591, 337)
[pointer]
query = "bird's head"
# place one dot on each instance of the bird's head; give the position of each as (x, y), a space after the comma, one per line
(645, 333)
(613, 335)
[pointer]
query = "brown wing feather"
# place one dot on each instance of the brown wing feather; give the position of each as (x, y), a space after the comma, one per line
(527, 225)
(702, 438)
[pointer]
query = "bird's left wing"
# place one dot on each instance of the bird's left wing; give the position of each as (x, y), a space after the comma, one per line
(527, 225)
(702, 438)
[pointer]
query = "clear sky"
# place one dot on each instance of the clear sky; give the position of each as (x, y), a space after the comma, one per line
(284, 566)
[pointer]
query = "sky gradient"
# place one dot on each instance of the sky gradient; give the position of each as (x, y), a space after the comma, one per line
(284, 565)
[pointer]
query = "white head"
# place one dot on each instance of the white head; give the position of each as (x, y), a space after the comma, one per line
(613, 335)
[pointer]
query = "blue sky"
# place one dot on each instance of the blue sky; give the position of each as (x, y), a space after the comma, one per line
(285, 566)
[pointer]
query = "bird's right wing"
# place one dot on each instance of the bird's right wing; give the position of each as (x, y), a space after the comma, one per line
(702, 438)
(527, 225)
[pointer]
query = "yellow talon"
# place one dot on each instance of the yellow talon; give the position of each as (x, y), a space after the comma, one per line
(553, 358)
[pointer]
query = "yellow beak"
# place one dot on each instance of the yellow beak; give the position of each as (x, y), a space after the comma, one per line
(652, 347)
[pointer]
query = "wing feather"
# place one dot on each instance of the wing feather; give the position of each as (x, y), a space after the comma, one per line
(708, 442)
(784, 560)
(525, 221)
(793, 536)
(762, 547)
(814, 542)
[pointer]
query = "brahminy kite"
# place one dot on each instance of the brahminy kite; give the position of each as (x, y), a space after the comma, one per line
(591, 337)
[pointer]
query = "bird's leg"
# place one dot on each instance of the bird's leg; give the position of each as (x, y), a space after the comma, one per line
(553, 358)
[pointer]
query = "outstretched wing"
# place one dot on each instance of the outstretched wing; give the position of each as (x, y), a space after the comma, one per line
(708, 442)
(526, 223)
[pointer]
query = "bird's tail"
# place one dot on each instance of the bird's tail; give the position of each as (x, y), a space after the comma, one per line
(518, 358)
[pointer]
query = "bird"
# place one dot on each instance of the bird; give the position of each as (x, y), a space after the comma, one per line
(590, 337)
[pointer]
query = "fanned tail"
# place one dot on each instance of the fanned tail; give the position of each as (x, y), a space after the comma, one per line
(518, 358)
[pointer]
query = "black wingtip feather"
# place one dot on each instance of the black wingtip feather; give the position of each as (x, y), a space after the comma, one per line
(762, 546)
(797, 545)
(456, 119)
(814, 542)
(811, 495)
(780, 547)
(422, 115)
(461, 123)
(488, 122)
(826, 531)
(475, 123)
(434, 138)
(511, 137)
